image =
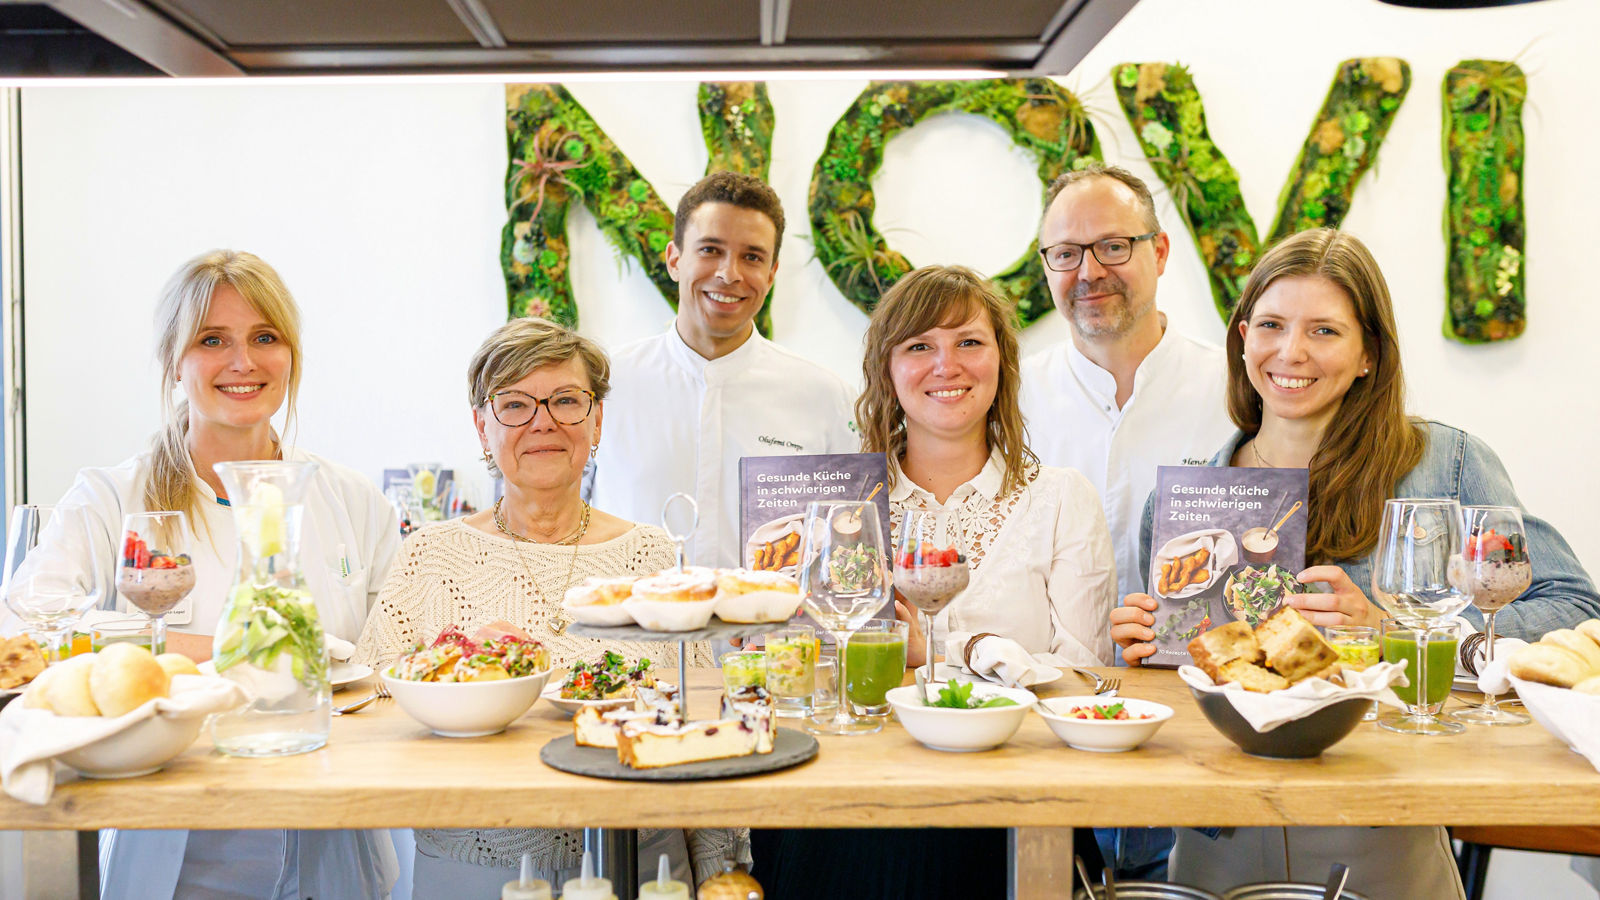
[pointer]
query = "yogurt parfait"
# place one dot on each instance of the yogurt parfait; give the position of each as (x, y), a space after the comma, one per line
(1493, 569)
(153, 580)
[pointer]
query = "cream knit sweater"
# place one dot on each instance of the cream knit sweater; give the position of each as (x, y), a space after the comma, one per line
(453, 574)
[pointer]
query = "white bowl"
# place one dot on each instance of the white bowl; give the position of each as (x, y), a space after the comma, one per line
(1103, 735)
(757, 606)
(139, 749)
(670, 615)
(961, 730)
(470, 709)
(552, 695)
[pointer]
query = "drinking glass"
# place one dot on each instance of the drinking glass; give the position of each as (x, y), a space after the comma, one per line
(154, 570)
(1438, 639)
(791, 654)
(930, 569)
(1358, 649)
(1410, 580)
(823, 699)
(876, 661)
(844, 583)
(1492, 568)
(53, 574)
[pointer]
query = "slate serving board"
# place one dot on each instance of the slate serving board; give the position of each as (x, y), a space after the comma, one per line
(791, 748)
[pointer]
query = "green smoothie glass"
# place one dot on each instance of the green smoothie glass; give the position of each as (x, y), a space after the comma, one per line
(875, 663)
(1442, 641)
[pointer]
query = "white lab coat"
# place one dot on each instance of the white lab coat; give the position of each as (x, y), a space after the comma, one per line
(342, 509)
(676, 421)
(1175, 416)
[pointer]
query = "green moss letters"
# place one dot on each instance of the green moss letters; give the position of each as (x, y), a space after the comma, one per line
(1485, 290)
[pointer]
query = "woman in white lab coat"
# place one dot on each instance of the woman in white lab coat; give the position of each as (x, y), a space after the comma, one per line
(228, 335)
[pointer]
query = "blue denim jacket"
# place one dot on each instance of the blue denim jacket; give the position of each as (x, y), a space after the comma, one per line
(1458, 466)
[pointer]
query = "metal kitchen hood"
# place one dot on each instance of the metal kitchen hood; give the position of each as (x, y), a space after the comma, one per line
(219, 38)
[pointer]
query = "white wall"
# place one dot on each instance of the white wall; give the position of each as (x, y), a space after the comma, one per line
(381, 205)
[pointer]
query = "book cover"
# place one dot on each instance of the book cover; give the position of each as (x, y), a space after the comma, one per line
(774, 492)
(1226, 545)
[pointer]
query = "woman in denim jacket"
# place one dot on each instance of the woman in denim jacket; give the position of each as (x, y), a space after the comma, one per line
(1314, 381)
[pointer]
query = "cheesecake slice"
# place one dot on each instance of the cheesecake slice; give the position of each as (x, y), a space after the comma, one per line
(654, 746)
(598, 726)
(753, 706)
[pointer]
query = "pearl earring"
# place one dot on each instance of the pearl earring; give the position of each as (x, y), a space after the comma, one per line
(1364, 372)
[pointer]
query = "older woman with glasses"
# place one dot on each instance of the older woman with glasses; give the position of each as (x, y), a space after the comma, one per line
(538, 402)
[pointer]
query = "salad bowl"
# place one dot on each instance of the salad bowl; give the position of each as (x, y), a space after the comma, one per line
(1104, 735)
(466, 709)
(1252, 592)
(961, 730)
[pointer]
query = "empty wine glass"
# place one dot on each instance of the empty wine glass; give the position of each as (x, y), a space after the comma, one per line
(1411, 581)
(844, 583)
(154, 570)
(1493, 569)
(53, 573)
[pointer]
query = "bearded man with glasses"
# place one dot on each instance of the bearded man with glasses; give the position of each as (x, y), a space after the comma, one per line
(1126, 394)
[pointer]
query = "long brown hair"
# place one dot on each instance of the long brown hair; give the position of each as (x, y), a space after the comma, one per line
(1371, 443)
(185, 302)
(941, 297)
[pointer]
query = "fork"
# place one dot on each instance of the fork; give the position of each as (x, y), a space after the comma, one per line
(357, 706)
(1102, 685)
(381, 690)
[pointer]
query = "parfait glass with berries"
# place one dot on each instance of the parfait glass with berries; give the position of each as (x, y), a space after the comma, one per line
(155, 571)
(1493, 569)
(930, 569)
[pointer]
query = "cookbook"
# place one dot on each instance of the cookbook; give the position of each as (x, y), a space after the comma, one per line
(1226, 546)
(774, 492)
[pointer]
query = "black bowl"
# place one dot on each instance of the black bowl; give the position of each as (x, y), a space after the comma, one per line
(1300, 739)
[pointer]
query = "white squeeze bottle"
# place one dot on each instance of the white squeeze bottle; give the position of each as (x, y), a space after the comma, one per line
(663, 888)
(527, 887)
(587, 886)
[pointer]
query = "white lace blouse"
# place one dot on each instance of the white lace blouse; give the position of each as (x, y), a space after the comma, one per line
(1043, 571)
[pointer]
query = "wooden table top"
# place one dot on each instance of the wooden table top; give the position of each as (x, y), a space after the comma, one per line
(382, 769)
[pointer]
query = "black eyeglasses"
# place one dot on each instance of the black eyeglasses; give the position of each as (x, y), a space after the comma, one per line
(567, 407)
(1111, 251)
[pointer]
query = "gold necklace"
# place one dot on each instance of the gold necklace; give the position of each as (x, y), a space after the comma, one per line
(1255, 447)
(559, 622)
(573, 538)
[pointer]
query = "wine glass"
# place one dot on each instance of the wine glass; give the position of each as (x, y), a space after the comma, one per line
(154, 569)
(843, 580)
(1492, 568)
(929, 567)
(53, 574)
(1410, 580)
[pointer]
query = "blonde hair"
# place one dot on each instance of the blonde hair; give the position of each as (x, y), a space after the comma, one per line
(180, 315)
(519, 347)
(1371, 444)
(934, 297)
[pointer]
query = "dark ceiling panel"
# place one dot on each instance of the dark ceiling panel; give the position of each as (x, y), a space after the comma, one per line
(613, 21)
(811, 20)
(342, 23)
(37, 41)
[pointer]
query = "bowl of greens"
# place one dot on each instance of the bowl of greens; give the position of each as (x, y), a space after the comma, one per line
(1253, 592)
(963, 716)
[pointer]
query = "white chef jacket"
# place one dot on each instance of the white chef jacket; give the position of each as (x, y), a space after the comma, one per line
(1042, 571)
(1175, 416)
(676, 421)
(342, 509)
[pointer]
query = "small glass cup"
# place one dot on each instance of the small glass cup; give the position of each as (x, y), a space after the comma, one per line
(825, 699)
(138, 630)
(875, 663)
(1358, 649)
(791, 659)
(746, 668)
(1424, 701)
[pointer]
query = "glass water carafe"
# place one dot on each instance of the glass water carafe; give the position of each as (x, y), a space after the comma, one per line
(269, 638)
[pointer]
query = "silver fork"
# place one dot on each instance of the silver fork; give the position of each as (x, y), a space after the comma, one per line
(1102, 685)
(357, 706)
(381, 690)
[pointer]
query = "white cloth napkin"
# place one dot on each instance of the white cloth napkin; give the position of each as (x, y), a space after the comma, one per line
(1572, 717)
(1001, 660)
(1495, 677)
(1265, 712)
(30, 739)
(339, 649)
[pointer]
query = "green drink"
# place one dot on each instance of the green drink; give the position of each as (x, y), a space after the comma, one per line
(1398, 645)
(875, 662)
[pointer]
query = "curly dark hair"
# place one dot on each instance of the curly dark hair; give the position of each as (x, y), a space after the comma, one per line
(746, 191)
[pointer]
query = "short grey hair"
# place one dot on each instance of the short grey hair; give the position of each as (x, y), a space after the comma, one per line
(520, 346)
(1097, 169)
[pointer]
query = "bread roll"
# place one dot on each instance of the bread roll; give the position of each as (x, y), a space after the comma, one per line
(1590, 685)
(1549, 664)
(1223, 644)
(21, 661)
(1589, 628)
(67, 690)
(124, 677)
(35, 697)
(177, 664)
(1252, 677)
(1577, 643)
(1293, 647)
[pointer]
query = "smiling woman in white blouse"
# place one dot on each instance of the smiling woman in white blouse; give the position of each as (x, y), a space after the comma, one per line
(941, 376)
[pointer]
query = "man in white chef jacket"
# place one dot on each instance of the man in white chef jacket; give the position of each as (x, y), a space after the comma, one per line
(685, 405)
(1126, 394)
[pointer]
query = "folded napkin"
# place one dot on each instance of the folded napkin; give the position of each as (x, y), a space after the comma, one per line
(1495, 677)
(1572, 717)
(30, 739)
(1265, 712)
(999, 659)
(339, 649)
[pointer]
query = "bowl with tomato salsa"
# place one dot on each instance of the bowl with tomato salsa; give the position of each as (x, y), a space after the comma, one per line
(1103, 724)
